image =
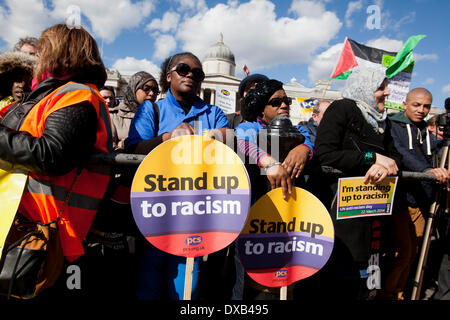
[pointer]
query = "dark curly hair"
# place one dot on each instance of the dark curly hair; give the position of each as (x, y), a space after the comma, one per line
(168, 64)
(257, 98)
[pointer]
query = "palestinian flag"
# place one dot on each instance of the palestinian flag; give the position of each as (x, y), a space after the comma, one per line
(404, 59)
(398, 66)
(356, 54)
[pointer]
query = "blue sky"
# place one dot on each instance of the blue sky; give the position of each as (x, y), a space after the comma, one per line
(283, 39)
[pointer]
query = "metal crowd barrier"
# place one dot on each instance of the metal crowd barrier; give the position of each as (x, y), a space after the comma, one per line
(125, 159)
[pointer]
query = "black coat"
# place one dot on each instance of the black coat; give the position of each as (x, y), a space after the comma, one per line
(68, 138)
(343, 137)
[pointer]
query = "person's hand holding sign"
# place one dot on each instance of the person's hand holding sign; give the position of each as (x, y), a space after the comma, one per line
(277, 175)
(383, 167)
(296, 160)
(183, 129)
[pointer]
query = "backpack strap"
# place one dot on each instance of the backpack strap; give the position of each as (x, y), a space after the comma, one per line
(156, 111)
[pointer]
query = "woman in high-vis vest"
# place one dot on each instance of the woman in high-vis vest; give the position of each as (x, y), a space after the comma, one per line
(55, 129)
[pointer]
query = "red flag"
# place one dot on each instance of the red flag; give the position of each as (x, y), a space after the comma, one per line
(347, 61)
(246, 70)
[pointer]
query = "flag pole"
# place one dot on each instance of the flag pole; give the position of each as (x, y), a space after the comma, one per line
(326, 88)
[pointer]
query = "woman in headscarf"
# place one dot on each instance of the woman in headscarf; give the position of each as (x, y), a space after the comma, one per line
(354, 137)
(142, 86)
(261, 105)
(266, 101)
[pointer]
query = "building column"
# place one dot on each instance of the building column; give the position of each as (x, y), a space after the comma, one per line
(213, 97)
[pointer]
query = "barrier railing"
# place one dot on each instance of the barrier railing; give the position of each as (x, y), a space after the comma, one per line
(125, 159)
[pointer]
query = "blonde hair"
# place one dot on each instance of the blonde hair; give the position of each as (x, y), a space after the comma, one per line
(70, 52)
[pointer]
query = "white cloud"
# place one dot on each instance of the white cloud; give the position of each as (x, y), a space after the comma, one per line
(307, 8)
(257, 36)
(353, 6)
(323, 64)
(428, 81)
(164, 45)
(397, 24)
(426, 56)
(107, 19)
(130, 65)
(386, 44)
(23, 18)
(446, 89)
(169, 22)
(191, 5)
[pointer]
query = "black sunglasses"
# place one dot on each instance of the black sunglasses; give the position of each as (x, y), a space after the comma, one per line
(147, 89)
(183, 70)
(277, 102)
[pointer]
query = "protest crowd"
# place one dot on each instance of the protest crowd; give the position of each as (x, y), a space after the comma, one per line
(56, 114)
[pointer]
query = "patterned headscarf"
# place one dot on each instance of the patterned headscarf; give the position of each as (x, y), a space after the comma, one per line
(257, 98)
(360, 87)
(136, 82)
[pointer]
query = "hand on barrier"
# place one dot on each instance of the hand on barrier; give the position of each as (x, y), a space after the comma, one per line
(376, 174)
(296, 160)
(442, 175)
(184, 129)
(388, 163)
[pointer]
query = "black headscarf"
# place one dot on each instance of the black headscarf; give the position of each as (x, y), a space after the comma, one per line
(257, 98)
(136, 82)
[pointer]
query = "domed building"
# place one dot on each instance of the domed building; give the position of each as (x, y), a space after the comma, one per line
(219, 59)
(220, 85)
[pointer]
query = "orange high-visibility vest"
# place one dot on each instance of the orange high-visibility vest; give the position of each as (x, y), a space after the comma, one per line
(44, 195)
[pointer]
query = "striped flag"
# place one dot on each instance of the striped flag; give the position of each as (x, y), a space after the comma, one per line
(356, 54)
(404, 58)
(346, 62)
(398, 66)
(246, 71)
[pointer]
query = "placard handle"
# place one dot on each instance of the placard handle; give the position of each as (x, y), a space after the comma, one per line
(188, 278)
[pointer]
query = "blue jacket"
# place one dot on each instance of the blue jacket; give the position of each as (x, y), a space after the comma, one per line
(249, 131)
(170, 116)
(311, 127)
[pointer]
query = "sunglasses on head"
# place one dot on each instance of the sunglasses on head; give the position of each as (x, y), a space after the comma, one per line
(183, 70)
(147, 89)
(277, 102)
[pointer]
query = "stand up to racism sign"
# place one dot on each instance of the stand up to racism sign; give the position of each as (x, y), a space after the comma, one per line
(285, 241)
(191, 196)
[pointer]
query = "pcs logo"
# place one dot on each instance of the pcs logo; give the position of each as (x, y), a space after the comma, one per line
(281, 273)
(225, 92)
(193, 240)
